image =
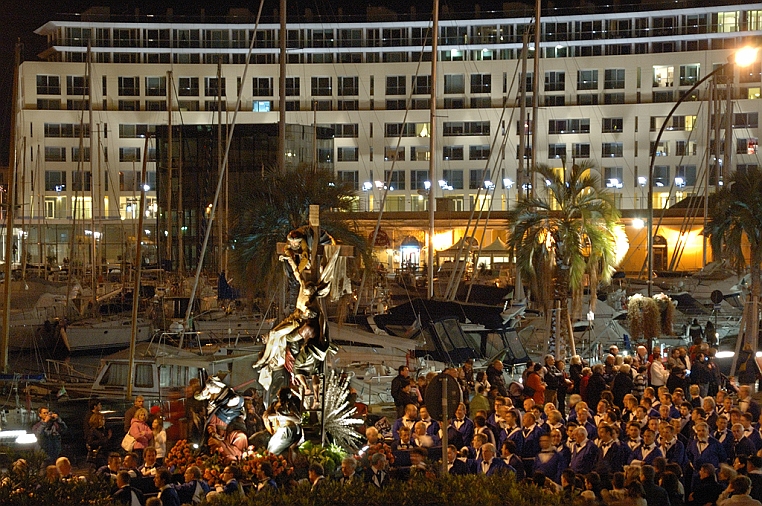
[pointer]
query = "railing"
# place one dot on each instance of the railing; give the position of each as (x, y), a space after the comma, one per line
(63, 371)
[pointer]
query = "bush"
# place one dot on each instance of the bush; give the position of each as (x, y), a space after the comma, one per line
(33, 490)
(460, 490)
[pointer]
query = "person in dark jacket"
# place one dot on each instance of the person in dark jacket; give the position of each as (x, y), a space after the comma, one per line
(671, 484)
(596, 385)
(706, 490)
(754, 472)
(194, 490)
(48, 431)
(575, 373)
(402, 379)
(125, 493)
(495, 377)
(677, 379)
(622, 385)
(700, 374)
(695, 332)
(553, 378)
(167, 495)
(655, 495)
(97, 440)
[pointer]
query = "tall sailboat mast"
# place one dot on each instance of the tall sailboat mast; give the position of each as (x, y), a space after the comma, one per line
(9, 210)
(94, 203)
(219, 155)
(433, 143)
(170, 147)
(535, 92)
(281, 155)
(522, 180)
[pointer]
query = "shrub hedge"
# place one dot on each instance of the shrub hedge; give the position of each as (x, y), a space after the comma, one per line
(420, 491)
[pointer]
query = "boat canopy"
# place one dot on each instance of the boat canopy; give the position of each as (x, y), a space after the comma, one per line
(433, 310)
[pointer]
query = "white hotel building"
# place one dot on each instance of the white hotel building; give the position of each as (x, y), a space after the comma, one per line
(606, 81)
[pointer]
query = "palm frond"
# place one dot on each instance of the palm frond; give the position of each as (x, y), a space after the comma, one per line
(272, 205)
(570, 221)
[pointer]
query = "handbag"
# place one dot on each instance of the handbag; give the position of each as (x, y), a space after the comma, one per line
(92, 454)
(128, 442)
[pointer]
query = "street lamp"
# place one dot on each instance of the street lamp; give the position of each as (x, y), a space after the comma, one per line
(642, 183)
(590, 323)
(743, 58)
(508, 184)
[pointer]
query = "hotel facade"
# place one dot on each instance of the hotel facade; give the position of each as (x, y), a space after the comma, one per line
(606, 82)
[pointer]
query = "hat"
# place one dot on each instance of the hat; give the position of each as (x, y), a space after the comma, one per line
(155, 410)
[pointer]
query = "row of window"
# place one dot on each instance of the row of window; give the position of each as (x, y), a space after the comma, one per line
(454, 179)
(555, 150)
(400, 56)
(482, 151)
(661, 24)
(349, 104)
(126, 154)
(454, 84)
(81, 180)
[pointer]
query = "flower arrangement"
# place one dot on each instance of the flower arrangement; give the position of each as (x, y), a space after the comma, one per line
(666, 312)
(213, 467)
(182, 456)
(251, 461)
(363, 457)
(643, 317)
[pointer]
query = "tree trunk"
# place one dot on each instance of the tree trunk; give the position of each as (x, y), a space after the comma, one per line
(752, 323)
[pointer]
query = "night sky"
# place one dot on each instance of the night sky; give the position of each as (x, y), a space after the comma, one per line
(22, 17)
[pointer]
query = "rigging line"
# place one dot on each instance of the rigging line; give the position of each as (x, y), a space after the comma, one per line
(690, 213)
(701, 177)
(75, 204)
(457, 275)
(408, 102)
(665, 205)
(493, 190)
(221, 177)
(706, 196)
(454, 281)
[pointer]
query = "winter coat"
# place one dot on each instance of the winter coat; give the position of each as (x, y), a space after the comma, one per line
(142, 433)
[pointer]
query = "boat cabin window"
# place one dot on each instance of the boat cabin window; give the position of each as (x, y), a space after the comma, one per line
(450, 335)
(474, 340)
(175, 375)
(495, 344)
(116, 376)
(144, 376)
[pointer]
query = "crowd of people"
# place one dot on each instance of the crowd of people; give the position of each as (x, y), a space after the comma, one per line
(643, 429)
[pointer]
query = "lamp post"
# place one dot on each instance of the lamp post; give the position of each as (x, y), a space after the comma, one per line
(590, 323)
(743, 58)
(642, 183)
(507, 184)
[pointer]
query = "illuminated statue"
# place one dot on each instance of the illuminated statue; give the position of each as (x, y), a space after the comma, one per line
(224, 427)
(299, 343)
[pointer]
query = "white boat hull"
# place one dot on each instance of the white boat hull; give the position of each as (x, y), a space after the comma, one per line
(234, 325)
(108, 334)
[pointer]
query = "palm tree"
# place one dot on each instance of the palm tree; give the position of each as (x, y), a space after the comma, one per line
(735, 231)
(571, 231)
(276, 203)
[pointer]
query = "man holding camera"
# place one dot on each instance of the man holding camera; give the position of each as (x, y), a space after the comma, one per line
(48, 431)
